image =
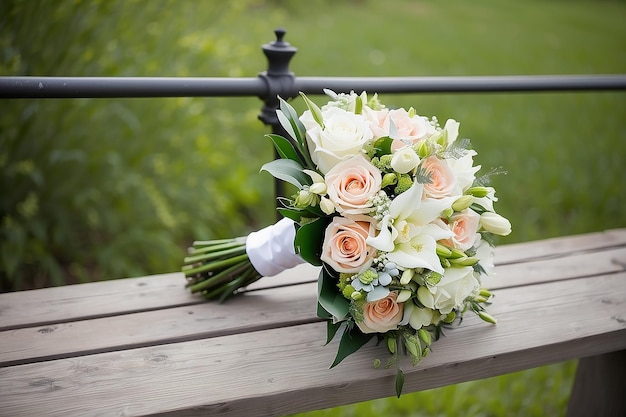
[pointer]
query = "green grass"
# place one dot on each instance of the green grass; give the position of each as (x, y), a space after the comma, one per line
(97, 189)
(532, 393)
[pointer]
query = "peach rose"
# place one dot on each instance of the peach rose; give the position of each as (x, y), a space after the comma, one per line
(382, 315)
(352, 184)
(344, 247)
(442, 180)
(465, 227)
(408, 130)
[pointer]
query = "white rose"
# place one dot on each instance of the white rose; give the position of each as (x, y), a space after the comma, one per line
(343, 136)
(456, 285)
(464, 170)
(404, 160)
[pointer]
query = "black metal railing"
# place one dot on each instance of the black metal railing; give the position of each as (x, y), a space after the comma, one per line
(279, 81)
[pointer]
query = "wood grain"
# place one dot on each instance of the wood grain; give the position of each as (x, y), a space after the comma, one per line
(107, 298)
(262, 309)
(278, 371)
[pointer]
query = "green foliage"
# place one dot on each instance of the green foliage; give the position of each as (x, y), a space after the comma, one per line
(96, 189)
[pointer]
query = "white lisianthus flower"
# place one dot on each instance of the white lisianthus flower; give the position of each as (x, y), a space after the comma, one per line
(404, 160)
(410, 231)
(417, 317)
(343, 135)
(495, 223)
(455, 286)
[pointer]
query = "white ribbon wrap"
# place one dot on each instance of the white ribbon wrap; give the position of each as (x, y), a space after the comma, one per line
(271, 249)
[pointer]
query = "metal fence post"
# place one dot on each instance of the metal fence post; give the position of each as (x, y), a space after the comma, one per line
(280, 83)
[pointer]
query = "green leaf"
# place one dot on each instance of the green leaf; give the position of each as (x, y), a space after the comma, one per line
(295, 215)
(291, 116)
(351, 341)
(285, 148)
(331, 330)
(399, 382)
(322, 313)
(309, 239)
(315, 111)
(329, 297)
(286, 124)
(289, 171)
(383, 146)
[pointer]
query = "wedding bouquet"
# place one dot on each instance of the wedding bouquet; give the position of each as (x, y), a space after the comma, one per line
(388, 203)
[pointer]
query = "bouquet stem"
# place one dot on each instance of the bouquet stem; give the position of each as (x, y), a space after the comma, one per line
(217, 269)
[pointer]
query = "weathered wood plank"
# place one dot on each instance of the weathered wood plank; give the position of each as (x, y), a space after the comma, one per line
(255, 310)
(566, 266)
(100, 299)
(547, 248)
(241, 314)
(95, 299)
(278, 371)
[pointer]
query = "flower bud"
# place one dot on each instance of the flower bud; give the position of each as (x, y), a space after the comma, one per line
(450, 317)
(404, 160)
(407, 276)
(465, 261)
(478, 191)
(391, 344)
(447, 212)
(462, 203)
(443, 251)
(425, 336)
(389, 179)
(480, 299)
(494, 223)
(457, 253)
(304, 198)
(368, 276)
(403, 295)
(318, 188)
(413, 346)
(327, 206)
(347, 291)
(423, 149)
(487, 317)
(485, 293)
(356, 296)
(404, 183)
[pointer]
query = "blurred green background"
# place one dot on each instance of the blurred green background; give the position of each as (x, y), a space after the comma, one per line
(97, 189)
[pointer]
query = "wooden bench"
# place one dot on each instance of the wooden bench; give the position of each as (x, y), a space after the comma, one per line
(145, 346)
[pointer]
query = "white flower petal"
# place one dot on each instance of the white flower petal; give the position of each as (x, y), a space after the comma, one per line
(420, 252)
(378, 293)
(407, 202)
(384, 240)
(384, 278)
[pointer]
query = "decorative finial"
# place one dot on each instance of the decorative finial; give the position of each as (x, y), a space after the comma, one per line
(280, 34)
